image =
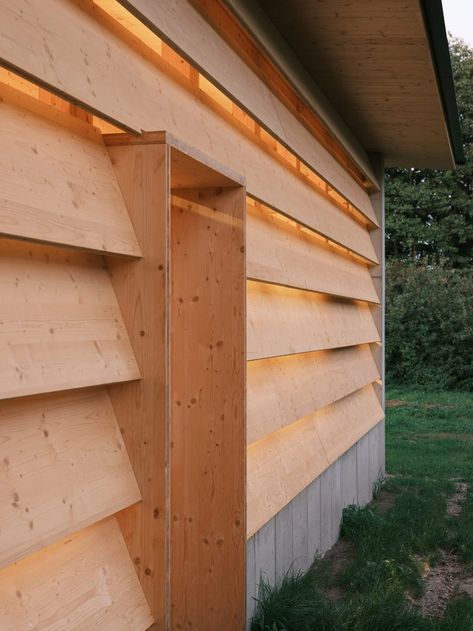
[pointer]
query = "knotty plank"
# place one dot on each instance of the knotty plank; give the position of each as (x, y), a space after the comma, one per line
(141, 289)
(60, 325)
(282, 465)
(207, 401)
(86, 581)
(135, 101)
(64, 467)
(57, 182)
(282, 390)
(282, 252)
(284, 321)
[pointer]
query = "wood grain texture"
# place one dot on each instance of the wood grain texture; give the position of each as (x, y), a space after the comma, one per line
(207, 458)
(282, 390)
(283, 464)
(83, 582)
(64, 466)
(57, 182)
(282, 252)
(141, 407)
(195, 38)
(135, 101)
(284, 321)
(60, 325)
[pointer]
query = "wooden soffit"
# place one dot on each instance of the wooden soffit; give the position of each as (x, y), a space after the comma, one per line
(373, 60)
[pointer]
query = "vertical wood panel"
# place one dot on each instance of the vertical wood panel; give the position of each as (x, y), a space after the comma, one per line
(250, 578)
(363, 470)
(207, 458)
(326, 510)
(283, 541)
(336, 500)
(265, 562)
(348, 478)
(141, 288)
(313, 519)
(299, 531)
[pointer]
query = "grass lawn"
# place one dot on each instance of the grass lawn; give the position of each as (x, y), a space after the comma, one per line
(404, 563)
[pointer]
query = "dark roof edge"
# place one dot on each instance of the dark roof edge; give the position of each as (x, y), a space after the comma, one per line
(435, 26)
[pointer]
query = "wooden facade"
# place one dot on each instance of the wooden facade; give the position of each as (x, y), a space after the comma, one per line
(191, 315)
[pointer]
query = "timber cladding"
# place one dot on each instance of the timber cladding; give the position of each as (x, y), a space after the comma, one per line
(189, 318)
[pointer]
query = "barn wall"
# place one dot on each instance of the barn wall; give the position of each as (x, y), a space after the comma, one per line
(96, 259)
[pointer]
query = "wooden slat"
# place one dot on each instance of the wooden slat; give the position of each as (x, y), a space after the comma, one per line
(207, 459)
(284, 321)
(64, 467)
(121, 80)
(141, 288)
(282, 390)
(86, 581)
(57, 183)
(280, 251)
(60, 325)
(283, 464)
(205, 48)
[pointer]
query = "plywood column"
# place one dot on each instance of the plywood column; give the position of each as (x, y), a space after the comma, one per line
(141, 407)
(207, 404)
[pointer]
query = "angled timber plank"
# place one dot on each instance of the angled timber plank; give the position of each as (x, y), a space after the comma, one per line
(64, 467)
(60, 324)
(282, 390)
(284, 321)
(86, 581)
(282, 252)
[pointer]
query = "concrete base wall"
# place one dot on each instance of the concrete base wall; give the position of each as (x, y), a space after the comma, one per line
(310, 523)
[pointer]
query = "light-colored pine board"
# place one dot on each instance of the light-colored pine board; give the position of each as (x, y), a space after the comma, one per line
(282, 252)
(194, 36)
(207, 407)
(60, 325)
(119, 79)
(57, 183)
(282, 465)
(141, 289)
(284, 321)
(282, 390)
(64, 467)
(86, 581)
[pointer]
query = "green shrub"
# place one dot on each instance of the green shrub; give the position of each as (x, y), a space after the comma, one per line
(429, 326)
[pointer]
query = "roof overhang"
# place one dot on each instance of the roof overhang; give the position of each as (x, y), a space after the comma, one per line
(385, 67)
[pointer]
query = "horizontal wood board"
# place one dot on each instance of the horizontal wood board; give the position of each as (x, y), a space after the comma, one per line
(282, 390)
(282, 252)
(64, 466)
(60, 325)
(284, 321)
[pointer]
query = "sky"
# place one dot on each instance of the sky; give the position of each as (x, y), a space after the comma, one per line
(459, 18)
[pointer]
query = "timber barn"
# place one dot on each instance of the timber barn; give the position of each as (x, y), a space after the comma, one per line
(191, 273)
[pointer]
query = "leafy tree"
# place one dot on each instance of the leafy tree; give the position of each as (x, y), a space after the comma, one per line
(429, 214)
